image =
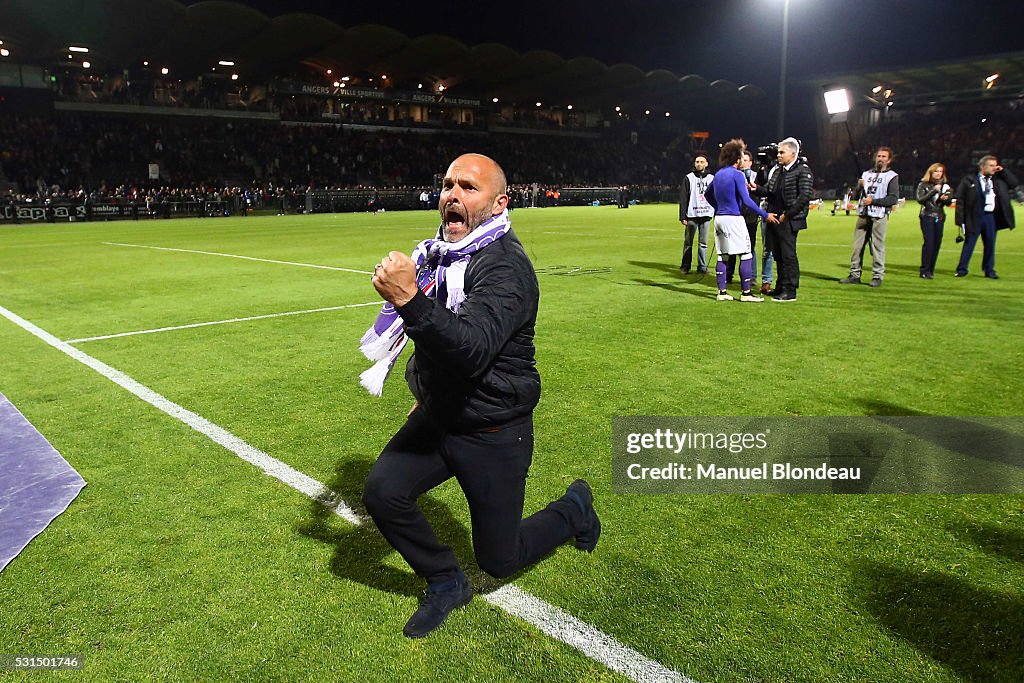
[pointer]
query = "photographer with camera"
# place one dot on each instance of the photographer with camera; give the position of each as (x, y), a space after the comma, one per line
(983, 207)
(933, 194)
(788, 191)
(695, 213)
(880, 191)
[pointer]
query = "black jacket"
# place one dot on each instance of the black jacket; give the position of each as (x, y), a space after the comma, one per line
(932, 201)
(475, 370)
(968, 201)
(797, 192)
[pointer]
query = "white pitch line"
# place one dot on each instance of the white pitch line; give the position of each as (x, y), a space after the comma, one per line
(246, 258)
(271, 466)
(218, 322)
(592, 642)
(551, 620)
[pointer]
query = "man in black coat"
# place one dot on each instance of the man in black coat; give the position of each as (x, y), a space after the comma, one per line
(475, 381)
(789, 192)
(983, 207)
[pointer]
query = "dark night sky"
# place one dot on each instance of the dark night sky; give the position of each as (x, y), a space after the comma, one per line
(739, 40)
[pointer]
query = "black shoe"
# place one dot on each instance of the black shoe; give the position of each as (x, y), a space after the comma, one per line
(959, 274)
(875, 282)
(786, 296)
(778, 291)
(702, 270)
(580, 493)
(850, 280)
(436, 607)
(684, 271)
(992, 275)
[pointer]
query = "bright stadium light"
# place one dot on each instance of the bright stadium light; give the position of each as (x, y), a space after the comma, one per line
(538, 104)
(667, 114)
(146, 63)
(346, 78)
(647, 112)
(86, 65)
(329, 72)
(225, 62)
(992, 78)
(569, 107)
(165, 71)
(837, 101)
(4, 52)
(337, 84)
(384, 76)
(618, 108)
(75, 48)
(494, 99)
(234, 77)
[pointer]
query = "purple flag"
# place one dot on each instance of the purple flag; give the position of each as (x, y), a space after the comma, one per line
(36, 483)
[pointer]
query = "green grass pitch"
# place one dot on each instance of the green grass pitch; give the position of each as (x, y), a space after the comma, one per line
(179, 561)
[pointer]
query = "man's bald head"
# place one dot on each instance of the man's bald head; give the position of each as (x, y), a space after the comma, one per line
(473, 191)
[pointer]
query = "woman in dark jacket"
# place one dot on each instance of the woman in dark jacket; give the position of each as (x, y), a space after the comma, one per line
(933, 193)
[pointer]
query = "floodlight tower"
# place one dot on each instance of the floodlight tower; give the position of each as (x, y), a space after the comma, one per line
(782, 73)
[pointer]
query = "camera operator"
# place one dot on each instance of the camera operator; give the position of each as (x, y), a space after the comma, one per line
(880, 191)
(695, 213)
(788, 191)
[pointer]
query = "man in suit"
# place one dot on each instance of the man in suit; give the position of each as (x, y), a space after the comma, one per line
(789, 192)
(982, 208)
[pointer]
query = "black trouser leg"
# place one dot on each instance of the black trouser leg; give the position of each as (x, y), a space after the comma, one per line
(491, 468)
(785, 256)
(409, 466)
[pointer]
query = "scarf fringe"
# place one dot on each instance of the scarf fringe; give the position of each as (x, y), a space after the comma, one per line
(373, 378)
(375, 346)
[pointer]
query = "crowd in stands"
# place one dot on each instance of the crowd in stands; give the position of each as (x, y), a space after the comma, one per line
(954, 136)
(76, 152)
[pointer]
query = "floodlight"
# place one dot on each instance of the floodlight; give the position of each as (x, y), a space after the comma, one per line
(86, 64)
(569, 107)
(992, 78)
(165, 71)
(234, 77)
(225, 62)
(75, 48)
(4, 52)
(494, 99)
(837, 101)
(877, 89)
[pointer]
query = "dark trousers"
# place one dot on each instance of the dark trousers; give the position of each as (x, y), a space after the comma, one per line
(931, 231)
(987, 225)
(783, 245)
(491, 468)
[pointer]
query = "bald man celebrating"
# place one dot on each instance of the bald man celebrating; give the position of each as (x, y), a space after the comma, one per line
(468, 299)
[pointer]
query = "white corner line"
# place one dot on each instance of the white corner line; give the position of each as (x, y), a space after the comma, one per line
(245, 258)
(551, 620)
(271, 466)
(218, 322)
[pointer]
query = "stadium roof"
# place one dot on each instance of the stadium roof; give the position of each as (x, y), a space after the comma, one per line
(192, 40)
(961, 80)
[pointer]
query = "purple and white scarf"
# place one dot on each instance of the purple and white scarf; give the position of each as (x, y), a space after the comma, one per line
(438, 263)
